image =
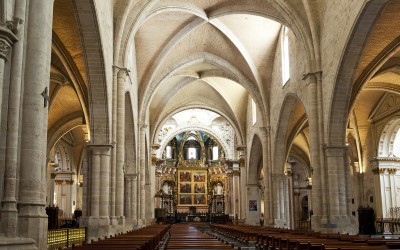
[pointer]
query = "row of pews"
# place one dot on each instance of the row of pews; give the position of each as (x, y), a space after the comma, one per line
(146, 238)
(185, 236)
(277, 239)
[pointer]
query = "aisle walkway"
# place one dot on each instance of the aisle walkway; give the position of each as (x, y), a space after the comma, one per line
(185, 236)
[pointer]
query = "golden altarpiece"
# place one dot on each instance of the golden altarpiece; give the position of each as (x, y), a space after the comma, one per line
(192, 179)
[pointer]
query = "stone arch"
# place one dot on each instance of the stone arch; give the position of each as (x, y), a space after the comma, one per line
(282, 143)
(62, 127)
(293, 20)
(255, 159)
(239, 136)
(387, 138)
(173, 133)
(232, 73)
(338, 114)
(94, 62)
(74, 76)
(302, 161)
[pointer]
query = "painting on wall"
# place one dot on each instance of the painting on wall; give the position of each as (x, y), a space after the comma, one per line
(199, 176)
(252, 205)
(192, 189)
(185, 199)
(185, 187)
(185, 176)
(200, 199)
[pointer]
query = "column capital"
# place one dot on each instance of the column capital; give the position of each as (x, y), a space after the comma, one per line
(265, 130)
(123, 72)
(70, 182)
(7, 39)
(312, 77)
(131, 176)
(99, 148)
(335, 150)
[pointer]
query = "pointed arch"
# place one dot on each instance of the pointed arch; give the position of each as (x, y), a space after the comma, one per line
(341, 101)
(255, 160)
(288, 128)
(94, 62)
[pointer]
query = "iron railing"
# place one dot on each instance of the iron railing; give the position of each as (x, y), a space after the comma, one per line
(65, 237)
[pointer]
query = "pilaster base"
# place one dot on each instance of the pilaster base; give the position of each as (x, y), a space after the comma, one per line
(97, 228)
(33, 223)
(17, 243)
(131, 224)
(334, 224)
(9, 219)
(118, 225)
(280, 223)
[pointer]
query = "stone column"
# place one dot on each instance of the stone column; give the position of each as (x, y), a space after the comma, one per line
(236, 196)
(290, 214)
(95, 176)
(134, 199)
(228, 193)
(105, 157)
(127, 196)
(337, 190)
(86, 184)
(7, 38)
(120, 150)
(142, 166)
(114, 140)
(98, 223)
(32, 218)
(392, 180)
(52, 183)
(268, 217)
(319, 195)
(239, 174)
(297, 209)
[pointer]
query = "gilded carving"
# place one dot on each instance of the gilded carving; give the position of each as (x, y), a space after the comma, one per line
(58, 182)
(70, 182)
(392, 170)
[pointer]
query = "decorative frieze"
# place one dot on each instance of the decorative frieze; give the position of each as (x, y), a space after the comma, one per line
(70, 182)
(58, 182)
(381, 171)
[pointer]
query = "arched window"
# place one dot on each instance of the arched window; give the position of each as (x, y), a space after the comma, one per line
(254, 111)
(192, 152)
(168, 152)
(285, 56)
(215, 154)
(396, 145)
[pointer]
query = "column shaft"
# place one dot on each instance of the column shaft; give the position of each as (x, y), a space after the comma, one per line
(9, 208)
(105, 153)
(142, 166)
(236, 196)
(267, 175)
(318, 190)
(95, 183)
(134, 212)
(114, 138)
(119, 195)
(32, 219)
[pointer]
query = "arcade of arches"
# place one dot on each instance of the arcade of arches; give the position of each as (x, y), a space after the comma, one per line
(131, 112)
